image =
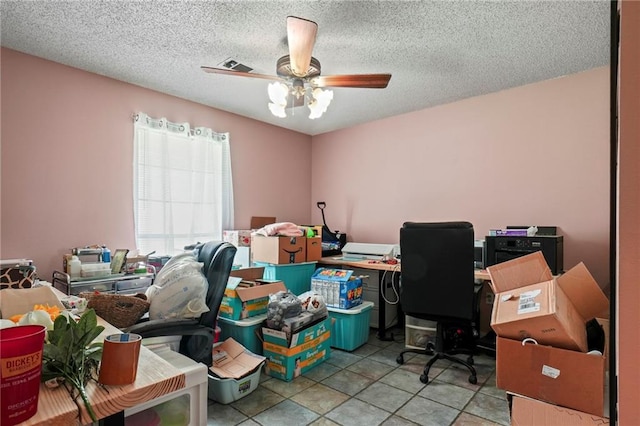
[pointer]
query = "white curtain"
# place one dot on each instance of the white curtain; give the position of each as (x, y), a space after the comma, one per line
(182, 186)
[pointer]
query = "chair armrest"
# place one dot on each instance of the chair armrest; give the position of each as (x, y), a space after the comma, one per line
(168, 327)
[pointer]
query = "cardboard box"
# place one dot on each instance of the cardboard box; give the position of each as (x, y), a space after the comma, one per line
(237, 237)
(567, 378)
(306, 349)
(278, 250)
(314, 249)
(20, 301)
(530, 302)
(531, 412)
(232, 360)
(485, 307)
(241, 302)
(338, 287)
(258, 222)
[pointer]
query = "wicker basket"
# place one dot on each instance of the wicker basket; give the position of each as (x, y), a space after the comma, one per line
(119, 310)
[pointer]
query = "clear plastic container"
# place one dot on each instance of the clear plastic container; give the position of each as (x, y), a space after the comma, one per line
(75, 267)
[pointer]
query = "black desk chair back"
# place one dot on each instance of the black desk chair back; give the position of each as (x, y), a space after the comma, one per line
(437, 284)
(197, 334)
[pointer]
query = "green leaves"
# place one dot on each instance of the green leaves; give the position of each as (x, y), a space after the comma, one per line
(71, 354)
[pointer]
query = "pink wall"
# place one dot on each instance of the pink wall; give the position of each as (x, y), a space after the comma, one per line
(628, 337)
(67, 140)
(536, 154)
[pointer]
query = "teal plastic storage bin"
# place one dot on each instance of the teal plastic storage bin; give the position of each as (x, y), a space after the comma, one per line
(351, 326)
(243, 331)
(296, 276)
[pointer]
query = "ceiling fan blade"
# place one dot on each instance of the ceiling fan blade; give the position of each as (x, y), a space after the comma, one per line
(239, 73)
(370, 81)
(301, 36)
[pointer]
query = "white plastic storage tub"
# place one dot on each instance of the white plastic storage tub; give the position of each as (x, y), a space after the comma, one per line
(243, 331)
(351, 326)
(226, 391)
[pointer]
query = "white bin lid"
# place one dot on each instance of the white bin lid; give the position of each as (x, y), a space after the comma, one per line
(247, 322)
(358, 309)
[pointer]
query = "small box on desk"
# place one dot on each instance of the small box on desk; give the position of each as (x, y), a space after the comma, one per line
(278, 250)
(241, 302)
(338, 287)
(306, 349)
(314, 249)
(351, 326)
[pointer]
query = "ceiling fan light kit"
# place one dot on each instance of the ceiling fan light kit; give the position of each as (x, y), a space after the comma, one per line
(298, 80)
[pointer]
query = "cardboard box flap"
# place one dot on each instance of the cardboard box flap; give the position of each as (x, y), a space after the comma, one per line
(264, 290)
(530, 412)
(20, 301)
(519, 272)
(584, 292)
(258, 222)
(248, 274)
(232, 360)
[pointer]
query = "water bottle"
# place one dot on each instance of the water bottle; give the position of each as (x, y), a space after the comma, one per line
(75, 267)
(106, 255)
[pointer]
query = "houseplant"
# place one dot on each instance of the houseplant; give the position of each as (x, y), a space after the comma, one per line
(70, 356)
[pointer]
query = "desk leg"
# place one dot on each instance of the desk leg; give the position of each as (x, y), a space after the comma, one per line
(382, 321)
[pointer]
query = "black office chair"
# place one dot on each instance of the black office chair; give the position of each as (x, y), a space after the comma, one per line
(437, 284)
(197, 334)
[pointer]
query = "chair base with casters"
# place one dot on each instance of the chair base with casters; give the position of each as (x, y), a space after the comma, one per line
(451, 339)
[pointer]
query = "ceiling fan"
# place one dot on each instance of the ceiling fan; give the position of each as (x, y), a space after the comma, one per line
(299, 71)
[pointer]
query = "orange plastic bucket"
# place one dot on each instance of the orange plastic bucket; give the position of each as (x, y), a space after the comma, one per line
(20, 368)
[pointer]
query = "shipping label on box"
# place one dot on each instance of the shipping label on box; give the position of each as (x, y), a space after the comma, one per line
(307, 349)
(237, 237)
(558, 376)
(338, 287)
(240, 302)
(278, 250)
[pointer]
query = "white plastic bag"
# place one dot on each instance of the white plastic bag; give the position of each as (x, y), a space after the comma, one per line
(179, 290)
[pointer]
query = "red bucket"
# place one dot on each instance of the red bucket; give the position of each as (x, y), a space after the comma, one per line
(21, 365)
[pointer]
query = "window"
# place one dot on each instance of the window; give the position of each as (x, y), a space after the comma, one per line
(182, 186)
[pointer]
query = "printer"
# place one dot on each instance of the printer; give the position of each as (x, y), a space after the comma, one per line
(361, 251)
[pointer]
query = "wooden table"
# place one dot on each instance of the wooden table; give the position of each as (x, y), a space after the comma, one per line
(479, 274)
(155, 378)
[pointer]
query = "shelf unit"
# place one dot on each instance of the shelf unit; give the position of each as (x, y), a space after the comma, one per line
(195, 390)
(418, 332)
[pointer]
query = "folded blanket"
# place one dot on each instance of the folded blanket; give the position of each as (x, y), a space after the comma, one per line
(286, 229)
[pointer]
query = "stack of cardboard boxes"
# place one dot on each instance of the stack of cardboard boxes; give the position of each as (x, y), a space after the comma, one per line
(542, 354)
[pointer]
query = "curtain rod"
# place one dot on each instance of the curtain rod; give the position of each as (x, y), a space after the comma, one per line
(192, 131)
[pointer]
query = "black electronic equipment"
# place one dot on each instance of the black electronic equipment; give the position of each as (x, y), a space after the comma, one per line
(504, 247)
(332, 241)
(479, 254)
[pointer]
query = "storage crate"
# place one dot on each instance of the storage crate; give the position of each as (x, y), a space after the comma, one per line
(243, 331)
(351, 326)
(296, 276)
(419, 332)
(226, 391)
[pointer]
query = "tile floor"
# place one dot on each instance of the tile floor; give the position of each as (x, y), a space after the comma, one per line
(368, 387)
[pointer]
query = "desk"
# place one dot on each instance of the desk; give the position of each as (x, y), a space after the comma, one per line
(155, 378)
(381, 268)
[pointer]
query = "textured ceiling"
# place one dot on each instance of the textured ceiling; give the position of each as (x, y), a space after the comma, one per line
(437, 51)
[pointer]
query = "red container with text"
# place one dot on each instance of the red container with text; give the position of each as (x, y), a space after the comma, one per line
(21, 364)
